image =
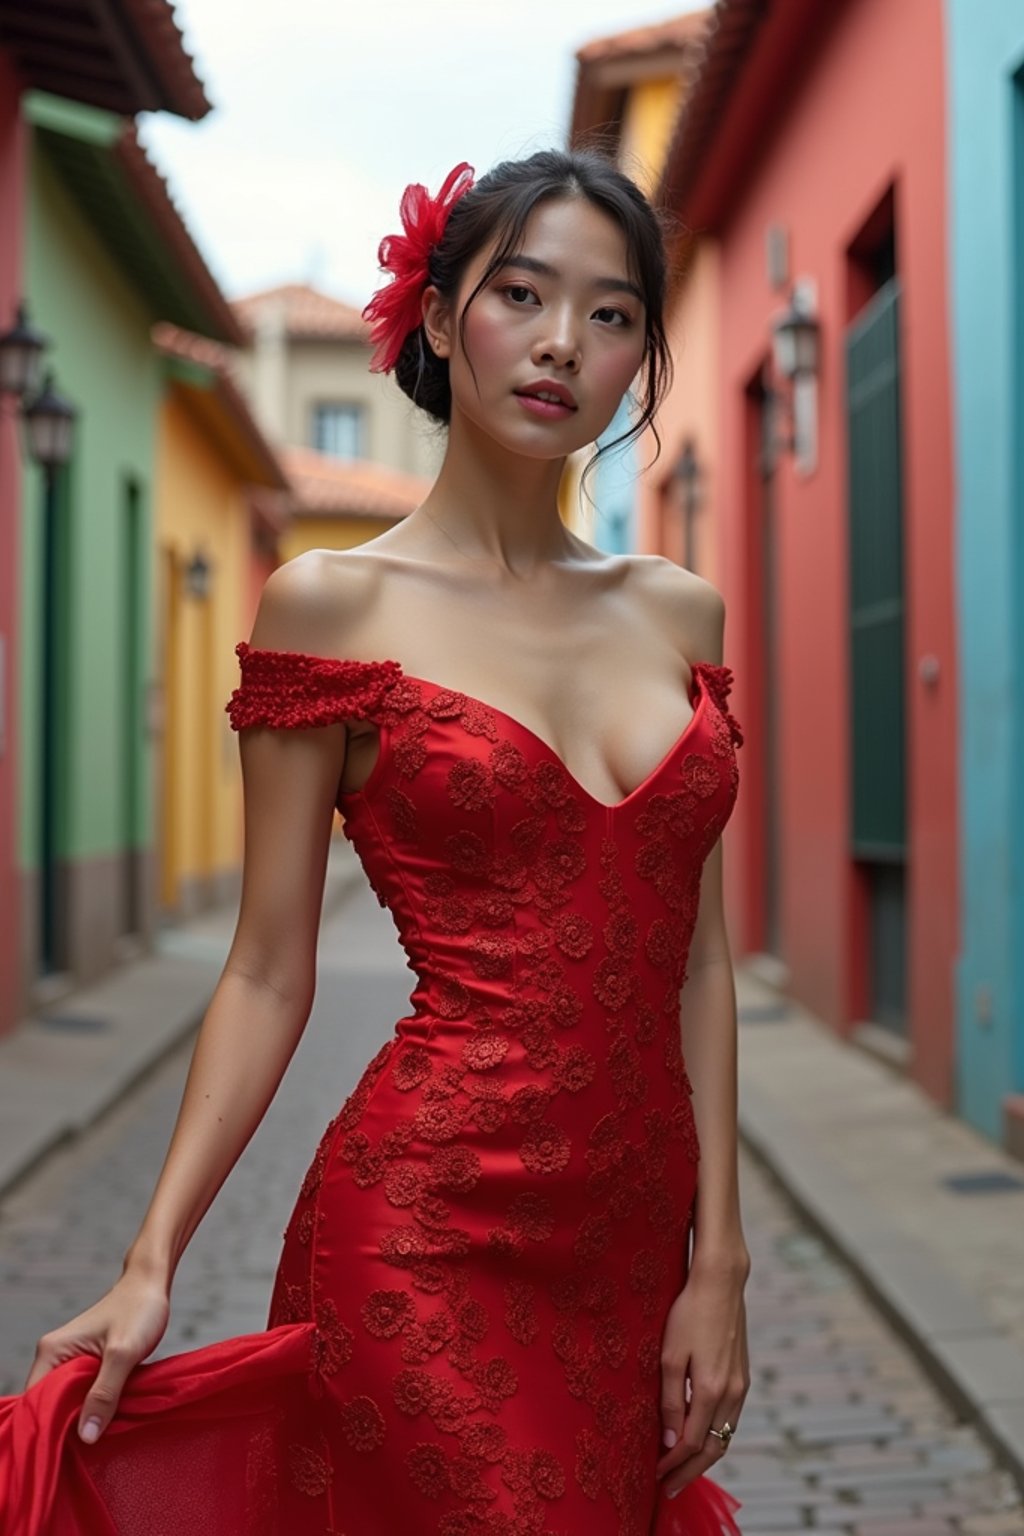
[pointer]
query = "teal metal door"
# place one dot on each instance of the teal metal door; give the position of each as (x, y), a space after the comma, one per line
(878, 838)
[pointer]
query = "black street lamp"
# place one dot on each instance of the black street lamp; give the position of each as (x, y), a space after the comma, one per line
(49, 422)
(49, 427)
(21, 352)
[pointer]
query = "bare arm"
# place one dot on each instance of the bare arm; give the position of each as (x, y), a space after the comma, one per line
(706, 1335)
(709, 1025)
(263, 999)
(252, 1025)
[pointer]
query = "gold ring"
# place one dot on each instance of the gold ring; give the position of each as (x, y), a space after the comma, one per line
(724, 1434)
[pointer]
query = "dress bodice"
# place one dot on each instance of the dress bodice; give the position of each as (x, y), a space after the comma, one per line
(489, 853)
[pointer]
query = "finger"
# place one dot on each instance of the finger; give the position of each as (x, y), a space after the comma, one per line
(712, 1451)
(692, 1468)
(43, 1361)
(703, 1411)
(51, 1350)
(103, 1396)
(705, 1403)
(681, 1455)
(673, 1402)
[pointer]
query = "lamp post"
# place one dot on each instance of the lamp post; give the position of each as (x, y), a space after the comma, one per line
(20, 351)
(49, 426)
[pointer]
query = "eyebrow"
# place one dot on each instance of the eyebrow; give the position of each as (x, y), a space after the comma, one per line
(532, 264)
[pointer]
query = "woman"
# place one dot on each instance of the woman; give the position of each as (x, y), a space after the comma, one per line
(487, 1311)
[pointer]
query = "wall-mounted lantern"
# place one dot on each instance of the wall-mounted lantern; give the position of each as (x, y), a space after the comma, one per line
(795, 339)
(796, 353)
(689, 474)
(198, 574)
(50, 426)
(21, 352)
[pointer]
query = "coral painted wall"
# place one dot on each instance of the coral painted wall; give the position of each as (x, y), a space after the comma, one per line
(861, 115)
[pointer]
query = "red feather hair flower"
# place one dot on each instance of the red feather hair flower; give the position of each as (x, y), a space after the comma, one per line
(395, 310)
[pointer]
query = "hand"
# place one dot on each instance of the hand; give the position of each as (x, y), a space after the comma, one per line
(705, 1338)
(122, 1328)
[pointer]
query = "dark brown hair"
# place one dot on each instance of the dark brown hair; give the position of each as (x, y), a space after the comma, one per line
(499, 204)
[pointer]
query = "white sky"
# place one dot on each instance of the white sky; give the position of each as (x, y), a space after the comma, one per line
(325, 109)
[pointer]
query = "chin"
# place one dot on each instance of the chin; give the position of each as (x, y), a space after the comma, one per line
(536, 440)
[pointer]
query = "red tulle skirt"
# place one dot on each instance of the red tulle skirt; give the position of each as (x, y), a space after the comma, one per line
(200, 1445)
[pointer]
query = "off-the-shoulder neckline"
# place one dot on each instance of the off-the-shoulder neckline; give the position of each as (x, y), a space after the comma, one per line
(394, 671)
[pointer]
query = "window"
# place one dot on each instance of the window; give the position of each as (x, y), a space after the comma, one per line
(338, 429)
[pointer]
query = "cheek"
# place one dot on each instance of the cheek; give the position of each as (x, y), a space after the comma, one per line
(490, 342)
(613, 369)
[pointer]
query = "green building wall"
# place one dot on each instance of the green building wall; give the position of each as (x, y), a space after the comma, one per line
(103, 360)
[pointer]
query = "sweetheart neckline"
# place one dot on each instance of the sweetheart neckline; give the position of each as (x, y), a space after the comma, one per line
(545, 746)
(697, 683)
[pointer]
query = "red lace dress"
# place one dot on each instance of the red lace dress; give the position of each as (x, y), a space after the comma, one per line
(465, 1329)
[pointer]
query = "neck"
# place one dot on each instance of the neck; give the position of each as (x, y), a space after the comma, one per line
(498, 505)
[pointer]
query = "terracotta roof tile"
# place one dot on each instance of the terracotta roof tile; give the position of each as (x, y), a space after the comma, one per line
(308, 313)
(153, 192)
(125, 58)
(730, 40)
(608, 68)
(677, 32)
(357, 487)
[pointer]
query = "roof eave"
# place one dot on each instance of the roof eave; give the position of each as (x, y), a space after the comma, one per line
(121, 192)
(125, 57)
(753, 49)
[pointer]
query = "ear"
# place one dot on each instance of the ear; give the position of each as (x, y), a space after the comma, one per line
(436, 316)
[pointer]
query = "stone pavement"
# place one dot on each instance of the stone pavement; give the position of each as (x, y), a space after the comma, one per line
(64, 1228)
(61, 1069)
(842, 1431)
(929, 1214)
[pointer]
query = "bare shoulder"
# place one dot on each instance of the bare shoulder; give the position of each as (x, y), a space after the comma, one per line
(314, 602)
(691, 608)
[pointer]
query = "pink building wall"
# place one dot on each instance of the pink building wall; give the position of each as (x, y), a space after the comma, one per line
(12, 204)
(692, 409)
(862, 110)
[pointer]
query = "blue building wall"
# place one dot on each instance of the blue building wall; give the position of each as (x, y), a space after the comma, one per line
(985, 52)
(613, 487)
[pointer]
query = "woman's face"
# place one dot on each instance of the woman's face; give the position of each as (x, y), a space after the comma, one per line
(562, 310)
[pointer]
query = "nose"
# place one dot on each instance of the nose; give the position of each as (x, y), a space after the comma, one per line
(559, 345)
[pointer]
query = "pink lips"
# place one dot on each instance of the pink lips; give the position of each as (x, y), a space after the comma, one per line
(547, 410)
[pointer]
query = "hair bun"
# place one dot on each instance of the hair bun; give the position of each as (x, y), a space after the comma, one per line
(423, 376)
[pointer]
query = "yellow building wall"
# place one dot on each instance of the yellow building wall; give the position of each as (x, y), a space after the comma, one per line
(322, 532)
(200, 504)
(647, 123)
(648, 119)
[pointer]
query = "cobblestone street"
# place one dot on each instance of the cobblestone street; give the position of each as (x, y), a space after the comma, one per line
(841, 1432)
